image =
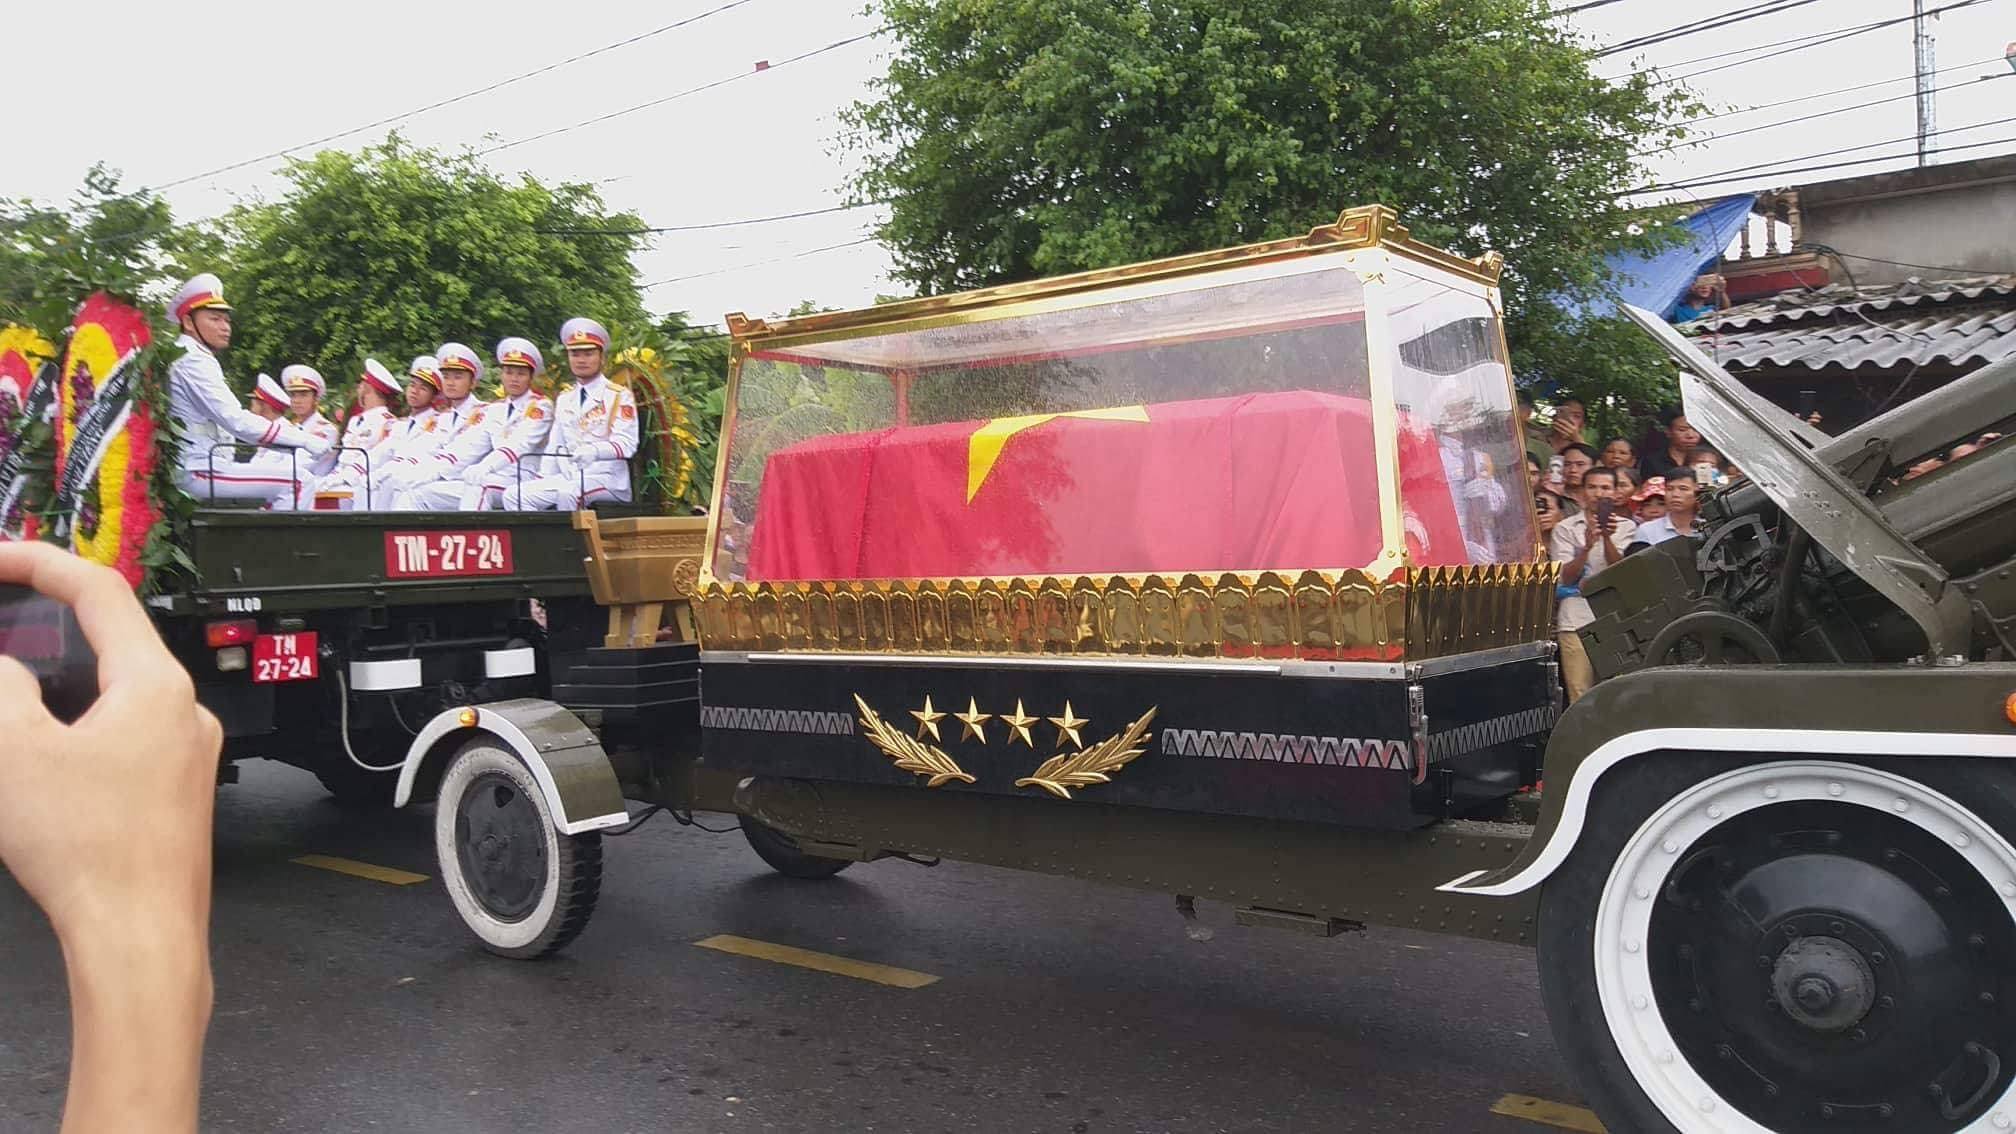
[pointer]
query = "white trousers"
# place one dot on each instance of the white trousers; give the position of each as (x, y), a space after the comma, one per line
(270, 476)
(437, 496)
(566, 492)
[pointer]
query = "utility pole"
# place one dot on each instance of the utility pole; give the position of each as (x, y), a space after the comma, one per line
(1922, 48)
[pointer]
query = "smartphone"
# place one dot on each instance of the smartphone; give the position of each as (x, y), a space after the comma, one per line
(1809, 400)
(43, 635)
(1604, 509)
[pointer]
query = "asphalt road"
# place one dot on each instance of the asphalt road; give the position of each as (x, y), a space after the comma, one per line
(350, 1004)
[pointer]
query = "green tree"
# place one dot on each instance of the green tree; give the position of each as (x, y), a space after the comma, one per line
(1015, 140)
(391, 251)
(52, 257)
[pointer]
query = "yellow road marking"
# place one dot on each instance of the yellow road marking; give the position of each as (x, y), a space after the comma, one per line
(357, 869)
(1558, 1115)
(823, 962)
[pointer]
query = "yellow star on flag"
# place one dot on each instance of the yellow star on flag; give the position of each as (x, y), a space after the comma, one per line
(974, 720)
(927, 720)
(984, 447)
(1018, 725)
(1068, 726)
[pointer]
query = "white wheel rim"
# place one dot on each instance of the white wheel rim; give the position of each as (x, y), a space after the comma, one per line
(499, 933)
(1624, 914)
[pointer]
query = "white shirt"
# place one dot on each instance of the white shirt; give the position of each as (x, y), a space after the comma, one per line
(1662, 529)
(1566, 543)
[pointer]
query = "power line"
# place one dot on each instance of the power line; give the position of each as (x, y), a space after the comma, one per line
(1711, 23)
(499, 85)
(1835, 37)
(1764, 171)
(1765, 165)
(1838, 90)
(1805, 118)
(1583, 7)
(702, 227)
(759, 263)
(834, 46)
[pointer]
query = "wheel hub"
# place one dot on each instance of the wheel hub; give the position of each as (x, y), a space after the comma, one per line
(1824, 983)
(500, 844)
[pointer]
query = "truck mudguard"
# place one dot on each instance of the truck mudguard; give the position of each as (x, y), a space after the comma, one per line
(565, 758)
(1886, 711)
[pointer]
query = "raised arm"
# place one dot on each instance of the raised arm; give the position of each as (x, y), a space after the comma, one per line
(203, 380)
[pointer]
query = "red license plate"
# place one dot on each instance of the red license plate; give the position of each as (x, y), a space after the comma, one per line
(436, 555)
(285, 657)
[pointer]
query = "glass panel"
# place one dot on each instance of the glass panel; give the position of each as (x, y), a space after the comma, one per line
(1220, 426)
(1453, 392)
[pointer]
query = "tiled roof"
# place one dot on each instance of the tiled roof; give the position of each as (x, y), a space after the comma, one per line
(1965, 323)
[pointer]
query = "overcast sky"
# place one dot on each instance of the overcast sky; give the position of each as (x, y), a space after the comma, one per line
(177, 92)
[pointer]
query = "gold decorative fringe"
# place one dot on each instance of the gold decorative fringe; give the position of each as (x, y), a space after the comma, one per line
(1424, 612)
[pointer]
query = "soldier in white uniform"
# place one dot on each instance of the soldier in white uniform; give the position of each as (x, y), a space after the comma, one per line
(305, 391)
(268, 400)
(416, 434)
(365, 435)
(527, 420)
(469, 431)
(594, 432)
(202, 402)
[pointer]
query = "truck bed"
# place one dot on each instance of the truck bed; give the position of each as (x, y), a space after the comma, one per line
(262, 562)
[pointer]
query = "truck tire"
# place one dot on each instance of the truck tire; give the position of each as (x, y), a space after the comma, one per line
(781, 852)
(521, 886)
(1789, 945)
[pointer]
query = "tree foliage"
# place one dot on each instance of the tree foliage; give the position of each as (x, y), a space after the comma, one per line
(52, 257)
(1017, 139)
(393, 250)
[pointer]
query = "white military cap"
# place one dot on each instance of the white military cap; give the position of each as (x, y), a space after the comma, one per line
(427, 368)
(299, 377)
(520, 352)
(457, 355)
(269, 391)
(583, 333)
(200, 292)
(379, 378)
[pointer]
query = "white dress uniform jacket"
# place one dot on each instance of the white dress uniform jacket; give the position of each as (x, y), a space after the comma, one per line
(594, 437)
(200, 399)
(413, 439)
(527, 422)
(365, 438)
(435, 483)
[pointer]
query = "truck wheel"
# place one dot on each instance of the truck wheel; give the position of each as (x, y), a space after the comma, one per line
(781, 852)
(1798, 945)
(522, 886)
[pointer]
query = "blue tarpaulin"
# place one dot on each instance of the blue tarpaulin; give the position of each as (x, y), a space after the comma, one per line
(1657, 281)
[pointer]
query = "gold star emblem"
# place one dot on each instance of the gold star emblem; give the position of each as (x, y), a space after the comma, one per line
(1018, 725)
(1068, 726)
(974, 722)
(927, 720)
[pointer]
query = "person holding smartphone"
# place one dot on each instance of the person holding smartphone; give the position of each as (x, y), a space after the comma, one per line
(1584, 544)
(124, 876)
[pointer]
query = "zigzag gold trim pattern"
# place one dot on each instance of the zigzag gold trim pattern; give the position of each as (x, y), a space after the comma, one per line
(1423, 612)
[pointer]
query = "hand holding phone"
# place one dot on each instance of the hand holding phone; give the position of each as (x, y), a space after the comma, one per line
(1606, 518)
(43, 635)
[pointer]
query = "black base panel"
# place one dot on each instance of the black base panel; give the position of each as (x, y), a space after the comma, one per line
(1260, 744)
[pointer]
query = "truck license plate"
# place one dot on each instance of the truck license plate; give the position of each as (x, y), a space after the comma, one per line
(433, 555)
(285, 657)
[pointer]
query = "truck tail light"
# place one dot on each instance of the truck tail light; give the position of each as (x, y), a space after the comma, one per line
(236, 632)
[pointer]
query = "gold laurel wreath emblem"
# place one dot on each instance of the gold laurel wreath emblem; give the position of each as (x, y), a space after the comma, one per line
(909, 755)
(1092, 765)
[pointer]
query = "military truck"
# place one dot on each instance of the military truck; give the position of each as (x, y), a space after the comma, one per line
(1215, 576)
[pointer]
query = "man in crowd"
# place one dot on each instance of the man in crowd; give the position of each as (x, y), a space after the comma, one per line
(1584, 544)
(1682, 508)
(527, 420)
(209, 413)
(1681, 438)
(1576, 461)
(594, 432)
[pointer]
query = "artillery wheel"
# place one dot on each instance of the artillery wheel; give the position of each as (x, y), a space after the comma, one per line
(520, 885)
(1799, 945)
(1711, 637)
(781, 852)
